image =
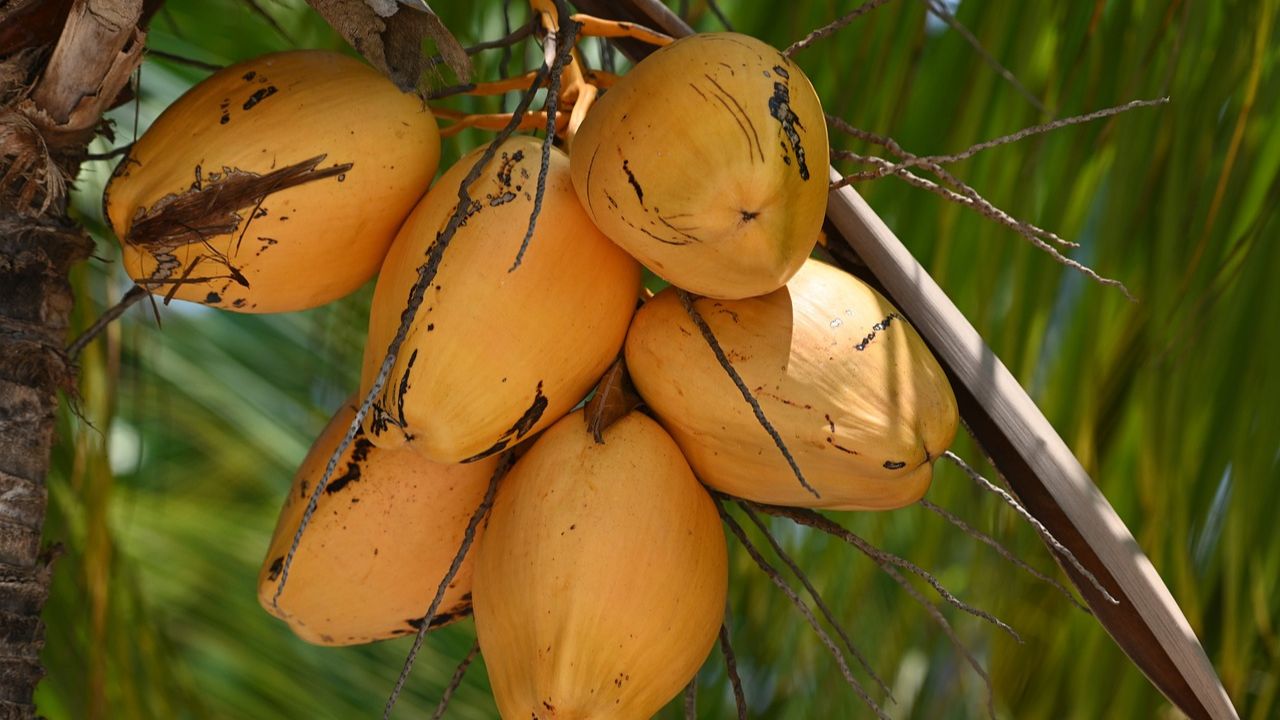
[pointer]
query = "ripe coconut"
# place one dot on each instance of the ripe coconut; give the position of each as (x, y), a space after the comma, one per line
(850, 386)
(708, 163)
(494, 354)
(274, 184)
(383, 535)
(600, 582)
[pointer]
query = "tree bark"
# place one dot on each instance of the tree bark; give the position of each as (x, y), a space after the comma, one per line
(51, 104)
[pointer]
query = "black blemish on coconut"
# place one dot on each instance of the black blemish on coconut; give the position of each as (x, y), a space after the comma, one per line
(662, 240)
(876, 329)
(359, 453)
(520, 428)
(631, 178)
(277, 565)
(532, 415)
(258, 96)
(780, 109)
(894, 465)
(250, 75)
(212, 298)
(404, 388)
(832, 442)
(503, 199)
(509, 162)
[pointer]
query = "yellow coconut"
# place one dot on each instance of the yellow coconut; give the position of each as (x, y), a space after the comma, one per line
(382, 538)
(494, 355)
(600, 582)
(850, 386)
(708, 163)
(275, 184)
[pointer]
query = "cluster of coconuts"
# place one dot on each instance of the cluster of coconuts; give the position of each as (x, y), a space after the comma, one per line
(598, 580)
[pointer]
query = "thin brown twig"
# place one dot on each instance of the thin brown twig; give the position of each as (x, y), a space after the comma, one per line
(687, 301)
(776, 577)
(1039, 526)
(817, 597)
(200, 64)
(455, 681)
(504, 42)
(270, 20)
(691, 698)
(971, 199)
(970, 196)
(715, 10)
(112, 153)
(562, 50)
(823, 523)
(1004, 552)
(108, 316)
(941, 621)
(468, 537)
(832, 27)
(731, 669)
(1033, 130)
(940, 10)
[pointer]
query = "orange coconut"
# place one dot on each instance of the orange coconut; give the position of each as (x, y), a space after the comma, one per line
(850, 386)
(274, 184)
(600, 582)
(383, 535)
(496, 354)
(708, 163)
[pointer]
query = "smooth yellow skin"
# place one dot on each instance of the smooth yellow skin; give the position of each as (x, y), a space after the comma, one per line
(382, 538)
(694, 163)
(494, 356)
(600, 583)
(303, 246)
(864, 425)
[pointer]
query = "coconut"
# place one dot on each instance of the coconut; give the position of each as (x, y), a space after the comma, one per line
(383, 535)
(708, 163)
(600, 583)
(496, 352)
(849, 385)
(275, 184)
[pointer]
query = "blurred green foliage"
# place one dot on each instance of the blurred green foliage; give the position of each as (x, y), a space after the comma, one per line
(185, 434)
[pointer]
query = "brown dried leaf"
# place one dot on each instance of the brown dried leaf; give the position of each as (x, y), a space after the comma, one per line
(212, 207)
(615, 397)
(393, 44)
(455, 56)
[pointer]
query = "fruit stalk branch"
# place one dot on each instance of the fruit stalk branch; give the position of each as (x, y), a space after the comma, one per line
(817, 598)
(776, 577)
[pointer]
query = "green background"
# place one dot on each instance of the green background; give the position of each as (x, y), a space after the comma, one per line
(184, 436)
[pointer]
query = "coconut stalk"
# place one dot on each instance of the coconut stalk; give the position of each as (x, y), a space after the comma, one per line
(1146, 623)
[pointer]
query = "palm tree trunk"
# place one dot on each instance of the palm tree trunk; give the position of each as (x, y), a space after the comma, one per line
(62, 63)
